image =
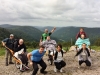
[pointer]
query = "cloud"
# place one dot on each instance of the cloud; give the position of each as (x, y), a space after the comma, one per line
(47, 12)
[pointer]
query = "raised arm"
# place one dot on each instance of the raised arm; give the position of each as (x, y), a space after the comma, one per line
(53, 29)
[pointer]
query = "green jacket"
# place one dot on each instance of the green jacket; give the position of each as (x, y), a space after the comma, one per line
(44, 36)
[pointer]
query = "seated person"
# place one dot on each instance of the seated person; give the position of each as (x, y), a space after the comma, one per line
(20, 52)
(50, 46)
(82, 40)
(84, 56)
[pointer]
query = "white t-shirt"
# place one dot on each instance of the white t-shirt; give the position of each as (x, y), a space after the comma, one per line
(59, 57)
(84, 55)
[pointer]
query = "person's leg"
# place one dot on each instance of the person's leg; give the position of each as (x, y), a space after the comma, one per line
(26, 59)
(10, 59)
(43, 65)
(35, 67)
(58, 66)
(62, 64)
(88, 63)
(80, 62)
(6, 57)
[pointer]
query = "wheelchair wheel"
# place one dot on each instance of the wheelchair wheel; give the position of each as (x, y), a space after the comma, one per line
(50, 59)
(17, 65)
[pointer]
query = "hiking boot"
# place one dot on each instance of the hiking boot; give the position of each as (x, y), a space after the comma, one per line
(6, 64)
(55, 70)
(44, 72)
(11, 63)
(61, 70)
(79, 66)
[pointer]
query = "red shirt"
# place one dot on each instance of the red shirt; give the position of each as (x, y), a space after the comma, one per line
(79, 34)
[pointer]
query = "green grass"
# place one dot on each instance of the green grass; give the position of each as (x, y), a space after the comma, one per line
(97, 48)
(2, 50)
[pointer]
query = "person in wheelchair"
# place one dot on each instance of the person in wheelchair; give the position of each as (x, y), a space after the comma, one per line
(21, 54)
(82, 40)
(50, 46)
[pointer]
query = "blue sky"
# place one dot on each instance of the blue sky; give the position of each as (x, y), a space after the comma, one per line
(84, 13)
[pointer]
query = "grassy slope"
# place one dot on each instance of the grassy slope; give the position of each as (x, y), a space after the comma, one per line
(2, 50)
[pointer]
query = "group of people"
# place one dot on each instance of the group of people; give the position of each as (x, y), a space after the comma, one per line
(46, 44)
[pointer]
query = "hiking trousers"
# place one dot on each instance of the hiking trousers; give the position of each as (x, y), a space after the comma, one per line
(7, 54)
(35, 66)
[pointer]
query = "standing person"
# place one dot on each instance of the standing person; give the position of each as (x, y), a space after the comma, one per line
(80, 33)
(21, 53)
(45, 34)
(35, 58)
(84, 56)
(9, 42)
(58, 59)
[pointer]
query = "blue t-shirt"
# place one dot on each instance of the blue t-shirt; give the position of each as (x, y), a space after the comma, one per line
(36, 56)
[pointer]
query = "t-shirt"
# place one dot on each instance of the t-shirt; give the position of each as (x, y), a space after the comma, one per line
(84, 55)
(44, 36)
(36, 56)
(59, 57)
(80, 33)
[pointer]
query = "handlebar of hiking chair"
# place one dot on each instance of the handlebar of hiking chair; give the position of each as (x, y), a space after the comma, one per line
(12, 52)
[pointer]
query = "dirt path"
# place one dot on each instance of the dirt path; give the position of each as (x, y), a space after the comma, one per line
(70, 69)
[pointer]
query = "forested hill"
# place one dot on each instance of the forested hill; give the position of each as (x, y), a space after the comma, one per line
(28, 33)
(61, 33)
(66, 33)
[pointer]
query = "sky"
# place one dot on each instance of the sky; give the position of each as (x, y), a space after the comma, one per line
(83, 13)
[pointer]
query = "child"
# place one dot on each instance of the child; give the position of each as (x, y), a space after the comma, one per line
(58, 59)
(84, 56)
(80, 33)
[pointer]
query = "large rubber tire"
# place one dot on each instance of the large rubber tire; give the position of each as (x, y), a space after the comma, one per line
(50, 59)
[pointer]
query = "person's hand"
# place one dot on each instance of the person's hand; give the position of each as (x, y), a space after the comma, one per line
(22, 52)
(3, 44)
(18, 45)
(31, 63)
(54, 28)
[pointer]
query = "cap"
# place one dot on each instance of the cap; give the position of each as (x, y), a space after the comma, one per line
(11, 34)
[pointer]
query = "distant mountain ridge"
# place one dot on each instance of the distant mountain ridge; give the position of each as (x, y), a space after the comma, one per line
(60, 34)
(28, 33)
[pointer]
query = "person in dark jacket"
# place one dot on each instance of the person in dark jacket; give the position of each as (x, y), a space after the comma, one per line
(9, 43)
(58, 59)
(20, 52)
(84, 56)
(80, 33)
